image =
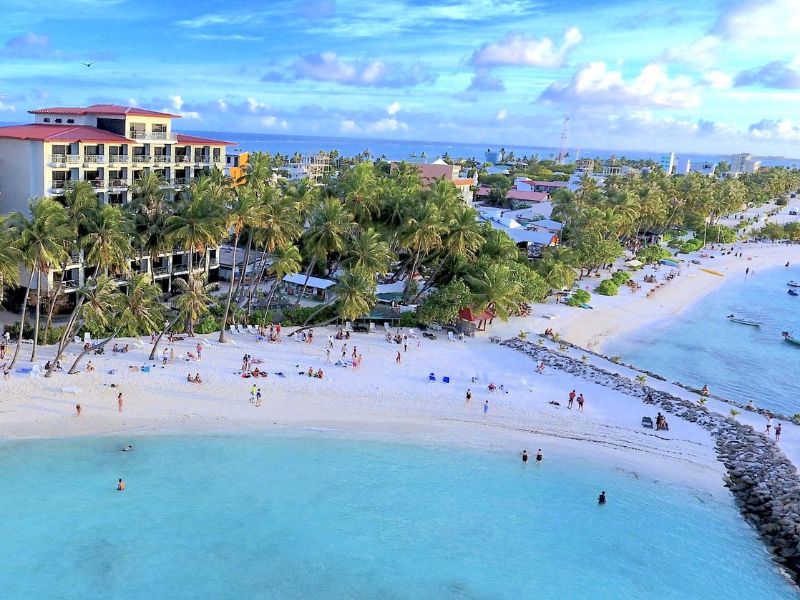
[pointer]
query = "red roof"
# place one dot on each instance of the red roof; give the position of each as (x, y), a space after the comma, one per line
(182, 138)
(515, 194)
(468, 315)
(60, 133)
(102, 109)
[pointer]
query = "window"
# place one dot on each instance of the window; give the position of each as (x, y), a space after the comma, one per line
(58, 120)
(159, 128)
(70, 120)
(47, 119)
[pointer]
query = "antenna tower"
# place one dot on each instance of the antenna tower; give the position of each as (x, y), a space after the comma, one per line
(562, 152)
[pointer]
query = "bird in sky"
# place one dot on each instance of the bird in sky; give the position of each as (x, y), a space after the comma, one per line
(89, 64)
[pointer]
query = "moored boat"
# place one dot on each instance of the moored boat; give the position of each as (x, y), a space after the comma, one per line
(790, 339)
(744, 321)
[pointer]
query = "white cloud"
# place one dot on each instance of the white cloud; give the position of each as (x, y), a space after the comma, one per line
(393, 108)
(595, 84)
(502, 114)
(177, 102)
(177, 108)
(746, 21)
(702, 53)
(348, 126)
(327, 66)
(719, 80)
(390, 124)
(254, 105)
(222, 105)
(770, 129)
(5, 107)
(519, 50)
(133, 102)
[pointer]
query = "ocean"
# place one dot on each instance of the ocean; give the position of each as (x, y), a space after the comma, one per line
(701, 347)
(414, 149)
(260, 516)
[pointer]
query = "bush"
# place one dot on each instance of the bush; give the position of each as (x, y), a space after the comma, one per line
(53, 335)
(579, 297)
(299, 315)
(409, 319)
(620, 277)
(208, 324)
(607, 287)
(690, 246)
(652, 254)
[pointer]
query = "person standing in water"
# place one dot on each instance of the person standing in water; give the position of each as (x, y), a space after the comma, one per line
(120, 485)
(120, 401)
(571, 399)
(524, 456)
(778, 432)
(580, 402)
(468, 400)
(539, 455)
(601, 499)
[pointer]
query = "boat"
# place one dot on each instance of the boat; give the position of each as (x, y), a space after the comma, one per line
(744, 321)
(794, 284)
(790, 339)
(793, 293)
(713, 272)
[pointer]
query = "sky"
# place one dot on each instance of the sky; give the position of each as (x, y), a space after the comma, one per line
(706, 76)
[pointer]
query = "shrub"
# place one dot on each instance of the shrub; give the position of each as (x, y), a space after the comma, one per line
(620, 277)
(690, 246)
(409, 319)
(607, 288)
(209, 324)
(579, 297)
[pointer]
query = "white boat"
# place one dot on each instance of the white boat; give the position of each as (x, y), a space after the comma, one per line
(744, 321)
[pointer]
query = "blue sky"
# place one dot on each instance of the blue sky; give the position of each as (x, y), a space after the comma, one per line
(702, 76)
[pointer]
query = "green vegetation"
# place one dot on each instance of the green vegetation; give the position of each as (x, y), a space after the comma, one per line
(652, 254)
(607, 287)
(579, 297)
(774, 231)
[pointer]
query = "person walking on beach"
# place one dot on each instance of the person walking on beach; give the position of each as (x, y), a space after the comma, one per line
(328, 355)
(120, 401)
(253, 391)
(468, 400)
(524, 456)
(344, 350)
(485, 406)
(580, 402)
(398, 358)
(355, 353)
(164, 357)
(571, 399)
(539, 455)
(78, 409)
(120, 485)
(778, 432)
(258, 397)
(199, 349)
(405, 343)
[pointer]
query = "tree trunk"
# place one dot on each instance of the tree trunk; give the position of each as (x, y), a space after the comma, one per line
(64, 341)
(38, 309)
(222, 335)
(430, 280)
(314, 314)
(22, 322)
(74, 367)
(305, 283)
(160, 335)
(240, 286)
(53, 306)
(254, 284)
(269, 299)
(411, 275)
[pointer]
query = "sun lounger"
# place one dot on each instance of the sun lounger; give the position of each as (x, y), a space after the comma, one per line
(233, 330)
(450, 336)
(348, 326)
(386, 326)
(87, 338)
(412, 333)
(371, 327)
(252, 329)
(647, 422)
(445, 380)
(431, 377)
(76, 340)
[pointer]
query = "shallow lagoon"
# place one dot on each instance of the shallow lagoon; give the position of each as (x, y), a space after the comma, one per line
(315, 516)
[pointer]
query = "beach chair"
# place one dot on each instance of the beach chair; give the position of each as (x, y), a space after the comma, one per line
(386, 326)
(241, 329)
(450, 336)
(647, 422)
(233, 330)
(87, 338)
(348, 326)
(252, 329)
(412, 333)
(76, 340)
(431, 377)
(371, 327)
(445, 380)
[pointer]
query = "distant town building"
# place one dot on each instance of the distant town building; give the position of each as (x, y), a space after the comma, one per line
(584, 165)
(236, 164)
(744, 164)
(705, 168)
(575, 180)
(429, 173)
(525, 184)
(311, 166)
(620, 171)
(667, 163)
(683, 166)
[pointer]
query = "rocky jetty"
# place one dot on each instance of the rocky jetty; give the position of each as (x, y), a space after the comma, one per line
(764, 482)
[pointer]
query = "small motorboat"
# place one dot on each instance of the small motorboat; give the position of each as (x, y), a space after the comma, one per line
(734, 319)
(790, 339)
(793, 293)
(794, 284)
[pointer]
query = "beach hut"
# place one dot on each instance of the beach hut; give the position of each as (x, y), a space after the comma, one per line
(317, 289)
(470, 321)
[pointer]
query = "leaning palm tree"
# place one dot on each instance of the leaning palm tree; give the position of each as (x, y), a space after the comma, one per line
(422, 234)
(40, 240)
(10, 258)
(359, 189)
(354, 295)
(192, 302)
(133, 311)
(102, 299)
(286, 260)
(243, 212)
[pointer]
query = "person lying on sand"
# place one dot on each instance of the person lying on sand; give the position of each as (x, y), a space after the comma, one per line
(197, 378)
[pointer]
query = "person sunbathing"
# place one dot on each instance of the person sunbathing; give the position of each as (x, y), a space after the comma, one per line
(492, 387)
(197, 378)
(319, 374)
(89, 367)
(189, 378)
(125, 348)
(310, 372)
(115, 348)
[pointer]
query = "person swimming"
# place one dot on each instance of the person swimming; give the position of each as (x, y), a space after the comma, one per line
(524, 456)
(127, 448)
(120, 486)
(539, 455)
(601, 499)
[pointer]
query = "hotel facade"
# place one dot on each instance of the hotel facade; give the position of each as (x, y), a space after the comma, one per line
(110, 147)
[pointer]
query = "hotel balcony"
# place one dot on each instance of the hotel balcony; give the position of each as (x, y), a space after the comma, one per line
(163, 160)
(74, 259)
(182, 182)
(142, 159)
(69, 285)
(57, 186)
(153, 136)
(98, 184)
(180, 268)
(160, 272)
(167, 183)
(202, 160)
(183, 160)
(117, 185)
(94, 159)
(62, 160)
(118, 159)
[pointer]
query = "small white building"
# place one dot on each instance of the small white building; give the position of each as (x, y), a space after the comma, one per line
(744, 164)
(683, 166)
(705, 168)
(316, 288)
(667, 163)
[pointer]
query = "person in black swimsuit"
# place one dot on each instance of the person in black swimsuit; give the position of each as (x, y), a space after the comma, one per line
(524, 456)
(539, 455)
(601, 499)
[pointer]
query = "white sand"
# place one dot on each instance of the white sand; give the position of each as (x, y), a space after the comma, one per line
(386, 401)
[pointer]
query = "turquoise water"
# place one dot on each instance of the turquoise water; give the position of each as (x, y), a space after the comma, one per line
(279, 517)
(701, 346)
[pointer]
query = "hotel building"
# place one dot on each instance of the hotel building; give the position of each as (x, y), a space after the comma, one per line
(110, 147)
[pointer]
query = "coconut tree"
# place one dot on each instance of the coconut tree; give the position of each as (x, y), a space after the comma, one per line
(286, 260)
(358, 186)
(192, 302)
(41, 241)
(556, 269)
(422, 235)
(137, 309)
(494, 288)
(327, 233)
(10, 258)
(244, 211)
(197, 223)
(354, 295)
(102, 300)
(368, 253)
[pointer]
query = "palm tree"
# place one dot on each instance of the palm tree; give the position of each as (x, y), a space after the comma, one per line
(102, 299)
(244, 212)
(329, 225)
(285, 261)
(493, 288)
(368, 254)
(196, 224)
(41, 241)
(423, 234)
(10, 258)
(554, 266)
(359, 191)
(107, 242)
(355, 295)
(192, 301)
(136, 310)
